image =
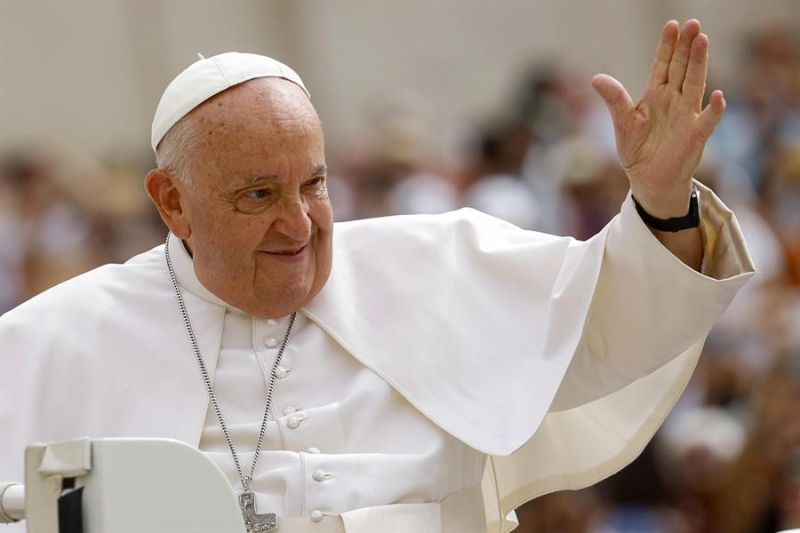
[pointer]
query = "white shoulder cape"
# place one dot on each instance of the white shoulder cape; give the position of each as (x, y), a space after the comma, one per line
(474, 321)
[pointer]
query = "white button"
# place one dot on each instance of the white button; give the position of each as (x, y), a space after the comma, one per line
(281, 372)
(316, 515)
(313, 450)
(320, 475)
(293, 423)
(271, 342)
(272, 322)
(289, 409)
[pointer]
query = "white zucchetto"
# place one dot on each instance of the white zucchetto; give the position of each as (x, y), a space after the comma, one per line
(207, 77)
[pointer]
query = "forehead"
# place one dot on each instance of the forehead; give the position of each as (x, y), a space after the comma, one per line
(263, 121)
(264, 106)
(275, 95)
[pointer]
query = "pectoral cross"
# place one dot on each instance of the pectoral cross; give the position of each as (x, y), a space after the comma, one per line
(254, 522)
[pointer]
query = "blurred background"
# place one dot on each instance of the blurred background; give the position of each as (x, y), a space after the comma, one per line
(429, 106)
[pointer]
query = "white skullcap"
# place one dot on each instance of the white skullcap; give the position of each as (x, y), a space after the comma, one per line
(207, 77)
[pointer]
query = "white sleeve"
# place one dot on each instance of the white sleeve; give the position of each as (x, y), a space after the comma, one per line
(648, 306)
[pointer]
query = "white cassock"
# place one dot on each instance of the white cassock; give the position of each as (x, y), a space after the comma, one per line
(445, 353)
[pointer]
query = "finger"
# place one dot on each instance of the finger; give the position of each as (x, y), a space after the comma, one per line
(660, 66)
(694, 85)
(712, 114)
(680, 57)
(615, 96)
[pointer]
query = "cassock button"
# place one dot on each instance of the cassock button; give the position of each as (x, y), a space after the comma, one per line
(320, 475)
(313, 450)
(289, 409)
(316, 515)
(271, 342)
(281, 372)
(272, 322)
(293, 423)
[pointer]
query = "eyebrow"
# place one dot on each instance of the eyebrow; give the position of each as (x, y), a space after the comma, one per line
(255, 180)
(258, 180)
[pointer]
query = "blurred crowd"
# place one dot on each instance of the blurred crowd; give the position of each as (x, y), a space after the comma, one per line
(728, 458)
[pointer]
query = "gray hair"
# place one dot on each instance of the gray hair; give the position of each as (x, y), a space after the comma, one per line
(175, 149)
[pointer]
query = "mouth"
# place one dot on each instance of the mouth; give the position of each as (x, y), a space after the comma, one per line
(288, 254)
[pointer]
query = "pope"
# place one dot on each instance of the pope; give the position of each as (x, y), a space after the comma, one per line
(418, 373)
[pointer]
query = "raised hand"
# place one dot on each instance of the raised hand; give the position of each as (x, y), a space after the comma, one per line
(661, 137)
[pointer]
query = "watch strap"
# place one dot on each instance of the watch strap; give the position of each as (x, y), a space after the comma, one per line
(674, 224)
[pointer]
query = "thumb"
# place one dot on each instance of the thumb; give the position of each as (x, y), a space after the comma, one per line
(615, 96)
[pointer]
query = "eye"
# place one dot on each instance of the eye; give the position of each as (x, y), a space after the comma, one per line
(316, 185)
(257, 194)
(255, 200)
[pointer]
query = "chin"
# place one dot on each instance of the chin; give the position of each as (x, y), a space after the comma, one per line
(275, 304)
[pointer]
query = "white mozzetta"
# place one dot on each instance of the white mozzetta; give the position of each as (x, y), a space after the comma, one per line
(473, 322)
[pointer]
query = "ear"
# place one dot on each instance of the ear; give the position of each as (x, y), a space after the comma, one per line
(166, 193)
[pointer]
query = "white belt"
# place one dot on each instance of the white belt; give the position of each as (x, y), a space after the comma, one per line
(461, 512)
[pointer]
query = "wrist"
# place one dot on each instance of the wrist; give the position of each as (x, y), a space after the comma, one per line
(689, 219)
(674, 203)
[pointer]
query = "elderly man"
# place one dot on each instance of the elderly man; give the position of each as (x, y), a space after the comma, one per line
(430, 370)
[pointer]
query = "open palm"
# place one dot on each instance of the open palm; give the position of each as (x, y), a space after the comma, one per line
(660, 138)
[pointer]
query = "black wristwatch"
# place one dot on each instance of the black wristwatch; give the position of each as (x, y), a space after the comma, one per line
(691, 220)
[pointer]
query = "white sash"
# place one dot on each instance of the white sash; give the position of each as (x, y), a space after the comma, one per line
(461, 512)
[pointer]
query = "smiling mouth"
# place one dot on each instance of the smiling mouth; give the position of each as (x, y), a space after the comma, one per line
(289, 253)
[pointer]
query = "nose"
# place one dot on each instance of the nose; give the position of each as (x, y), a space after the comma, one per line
(293, 218)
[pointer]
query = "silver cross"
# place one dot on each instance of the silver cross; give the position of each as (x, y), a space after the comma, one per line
(254, 522)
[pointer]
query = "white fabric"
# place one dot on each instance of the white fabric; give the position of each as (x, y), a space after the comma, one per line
(576, 447)
(331, 416)
(474, 322)
(484, 275)
(209, 76)
(460, 512)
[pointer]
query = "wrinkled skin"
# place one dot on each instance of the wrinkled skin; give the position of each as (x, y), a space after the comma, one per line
(254, 212)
